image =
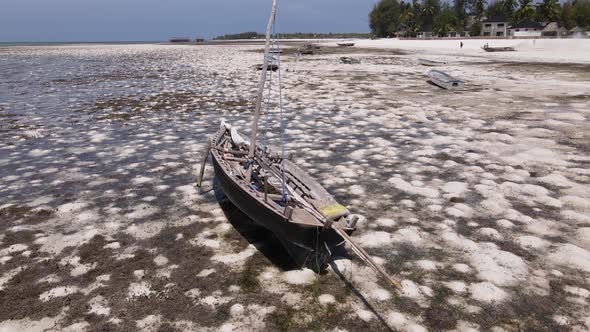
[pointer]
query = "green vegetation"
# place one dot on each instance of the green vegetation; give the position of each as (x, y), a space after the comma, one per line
(242, 35)
(525, 11)
(296, 35)
(392, 17)
(385, 18)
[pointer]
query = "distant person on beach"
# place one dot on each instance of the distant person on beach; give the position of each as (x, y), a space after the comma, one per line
(461, 44)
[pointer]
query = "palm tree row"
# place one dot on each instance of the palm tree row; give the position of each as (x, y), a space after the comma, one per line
(390, 17)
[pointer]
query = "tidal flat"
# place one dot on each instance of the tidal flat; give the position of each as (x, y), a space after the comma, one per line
(478, 199)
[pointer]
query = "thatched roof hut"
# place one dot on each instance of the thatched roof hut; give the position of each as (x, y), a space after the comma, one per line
(554, 30)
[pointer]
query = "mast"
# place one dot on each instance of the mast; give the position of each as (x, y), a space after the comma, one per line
(254, 130)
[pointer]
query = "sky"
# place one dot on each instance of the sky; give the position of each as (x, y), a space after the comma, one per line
(156, 20)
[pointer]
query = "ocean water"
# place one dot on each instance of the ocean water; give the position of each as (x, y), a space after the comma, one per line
(57, 43)
(86, 98)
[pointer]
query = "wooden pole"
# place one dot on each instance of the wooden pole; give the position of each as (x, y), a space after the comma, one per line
(367, 258)
(261, 86)
(203, 164)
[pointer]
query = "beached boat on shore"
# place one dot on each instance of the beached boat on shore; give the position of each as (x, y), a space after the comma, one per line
(311, 47)
(269, 66)
(444, 80)
(281, 197)
(349, 61)
(498, 49)
(430, 63)
(345, 44)
(278, 195)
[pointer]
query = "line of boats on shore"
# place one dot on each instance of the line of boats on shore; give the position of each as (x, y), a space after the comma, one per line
(437, 77)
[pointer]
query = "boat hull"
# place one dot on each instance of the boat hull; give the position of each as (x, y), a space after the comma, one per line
(498, 49)
(444, 80)
(447, 85)
(430, 63)
(268, 67)
(309, 246)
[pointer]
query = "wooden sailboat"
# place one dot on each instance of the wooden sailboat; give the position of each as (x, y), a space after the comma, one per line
(295, 213)
(279, 196)
(430, 63)
(498, 49)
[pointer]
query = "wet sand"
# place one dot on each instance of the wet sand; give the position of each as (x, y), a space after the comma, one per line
(477, 199)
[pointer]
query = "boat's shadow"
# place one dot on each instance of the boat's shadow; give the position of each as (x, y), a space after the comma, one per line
(360, 296)
(258, 236)
(433, 84)
(271, 247)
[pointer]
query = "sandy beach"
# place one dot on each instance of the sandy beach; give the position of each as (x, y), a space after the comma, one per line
(478, 199)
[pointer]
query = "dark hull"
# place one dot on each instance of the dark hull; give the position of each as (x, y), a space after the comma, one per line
(269, 67)
(309, 246)
(499, 49)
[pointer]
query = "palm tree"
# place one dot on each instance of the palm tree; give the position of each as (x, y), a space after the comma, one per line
(508, 6)
(429, 10)
(549, 10)
(406, 18)
(568, 15)
(494, 9)
(477, 7)
(459, 8)
(445, 21)
(525, 10)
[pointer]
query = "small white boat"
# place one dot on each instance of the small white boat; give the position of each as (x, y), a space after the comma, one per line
(430, 63)
(444, 80)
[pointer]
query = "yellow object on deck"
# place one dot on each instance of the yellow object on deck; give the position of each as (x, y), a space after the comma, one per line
(333, 211)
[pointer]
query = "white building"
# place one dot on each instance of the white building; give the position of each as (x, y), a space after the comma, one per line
(526, 28)
(494, 26)
(578, 32)
(425, 32)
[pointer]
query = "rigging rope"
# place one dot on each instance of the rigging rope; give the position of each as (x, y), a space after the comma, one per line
(266, 122)
(275, 45)
(285, 193)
